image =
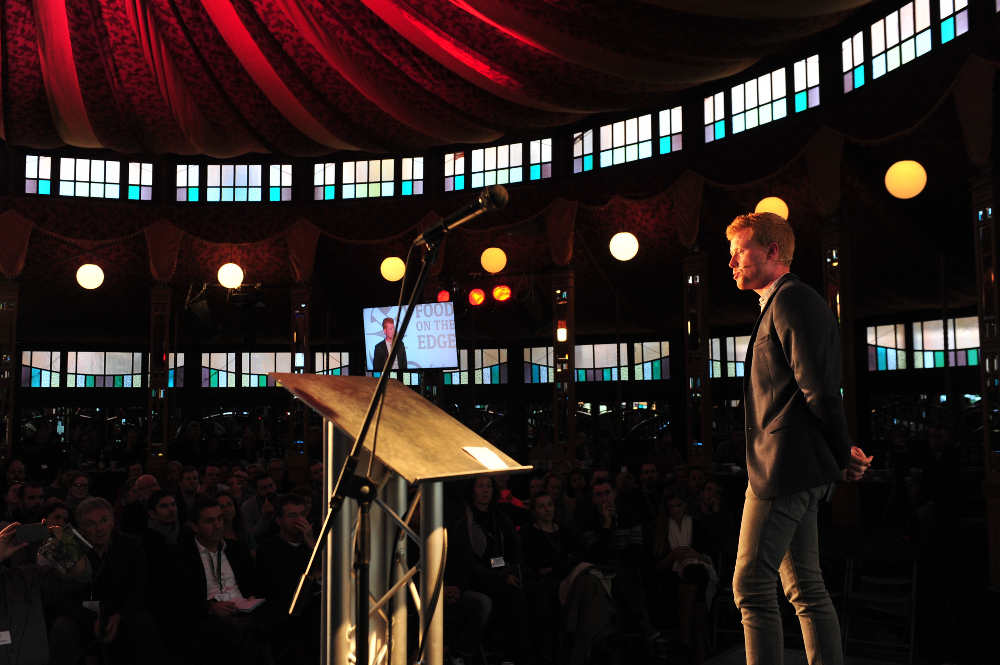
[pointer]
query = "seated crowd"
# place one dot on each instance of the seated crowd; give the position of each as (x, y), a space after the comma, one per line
(198, 566)
(575, 567)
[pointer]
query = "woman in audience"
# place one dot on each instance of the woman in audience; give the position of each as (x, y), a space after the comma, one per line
(232, 520)
(683, 567)
(78, 490)
(549, 554)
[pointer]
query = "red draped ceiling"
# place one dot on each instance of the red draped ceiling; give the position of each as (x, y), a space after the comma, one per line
(307, 77)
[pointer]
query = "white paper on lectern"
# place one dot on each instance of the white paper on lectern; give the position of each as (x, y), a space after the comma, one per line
(486, 457)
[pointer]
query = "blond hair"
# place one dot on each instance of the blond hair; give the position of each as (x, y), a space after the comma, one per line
(767, 228)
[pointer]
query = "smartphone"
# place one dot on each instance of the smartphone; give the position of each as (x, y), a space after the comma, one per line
(31, 533)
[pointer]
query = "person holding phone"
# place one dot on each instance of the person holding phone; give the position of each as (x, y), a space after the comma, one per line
(797, 444)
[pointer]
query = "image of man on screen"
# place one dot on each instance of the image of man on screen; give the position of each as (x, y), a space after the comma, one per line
(382, 348)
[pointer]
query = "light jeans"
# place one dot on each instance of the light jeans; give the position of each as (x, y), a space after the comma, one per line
(778, 537)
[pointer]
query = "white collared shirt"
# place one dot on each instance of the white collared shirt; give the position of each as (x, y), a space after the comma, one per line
(228, 589)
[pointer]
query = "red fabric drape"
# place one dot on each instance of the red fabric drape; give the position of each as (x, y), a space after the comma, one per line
(302, 238)
(59, 72)
(560, 223)
(15, 231)
(163, 241)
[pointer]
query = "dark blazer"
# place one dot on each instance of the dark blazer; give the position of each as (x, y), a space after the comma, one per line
(192, 588)
(382, 352)
(796, 428)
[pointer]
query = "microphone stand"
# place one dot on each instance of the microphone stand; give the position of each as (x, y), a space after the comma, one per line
(362, 489)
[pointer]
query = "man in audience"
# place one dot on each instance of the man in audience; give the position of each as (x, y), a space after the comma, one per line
(210, 480)
(134, 513)
(187, 493)
(216, 582)
(32, 497)
(110, 606)
(283, 556)
(237, 482)
(276, 469)
(258, 510)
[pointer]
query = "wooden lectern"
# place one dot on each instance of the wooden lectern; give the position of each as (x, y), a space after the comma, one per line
(417, 444)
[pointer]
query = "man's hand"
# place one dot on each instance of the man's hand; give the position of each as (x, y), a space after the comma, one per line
(452, 594)
(6, 548)
(221, 608)
(513, 581)
(303, 525)
(858, 464)
(110, 630)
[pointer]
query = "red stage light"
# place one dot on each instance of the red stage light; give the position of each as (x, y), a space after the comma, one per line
(444, 295)
(476, 297)
(501, 292)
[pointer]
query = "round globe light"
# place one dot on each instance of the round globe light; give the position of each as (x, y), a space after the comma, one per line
(493, 259)
(905, 179)
(477, 297)
(624, 246)
(773, 204)
(230, 275)
(393, 269)
(89, 276)
(501, 293)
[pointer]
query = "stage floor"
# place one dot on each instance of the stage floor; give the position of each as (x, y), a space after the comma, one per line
(736, 656)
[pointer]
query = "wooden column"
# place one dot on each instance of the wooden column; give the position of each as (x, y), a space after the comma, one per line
(303, 362)
(987, 249)
(9, 292)
(157, 409)
(839, 291)
(698, 400)
(564, 354)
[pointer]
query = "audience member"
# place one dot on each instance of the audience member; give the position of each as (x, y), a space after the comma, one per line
(276, 469)
(284, 555)
(135, 512)
(210, 480)
(78, 491)
(233, 526)
(258, 510)
(187, 493)
(216, 582)
(109, 606)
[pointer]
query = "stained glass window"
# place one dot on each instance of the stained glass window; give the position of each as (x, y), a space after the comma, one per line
(280, 182)
(806, 75)
(324, 181)
(175, 370)
(334, 363)
(187, 182)
(412, 176)
(715, 358)
(627, 140)
(715, 117)
(94, 178)
(367, 178)
(759, 101)
(539, 364)
(736, 353)
(459, 377)
(37, 174)
(954, 19)
(489, 366)
(140, 181)
(540, 159)
(257, 365)
(233, 182)
(40, 369)
(900, 37)
(583, 151)
(651, 361)
(454, 171)
(103, 369)
(218, 370)
(671, 129)
(962, 342)
(887, 347)
(499, 164)
(601, 362)
(852, 52)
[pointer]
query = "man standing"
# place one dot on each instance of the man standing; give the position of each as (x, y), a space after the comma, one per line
(382, 348)
(797, 444)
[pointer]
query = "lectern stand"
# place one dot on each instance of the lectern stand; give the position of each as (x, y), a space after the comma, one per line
(418, 445)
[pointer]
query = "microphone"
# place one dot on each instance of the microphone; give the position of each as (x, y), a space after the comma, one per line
(489, 198)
